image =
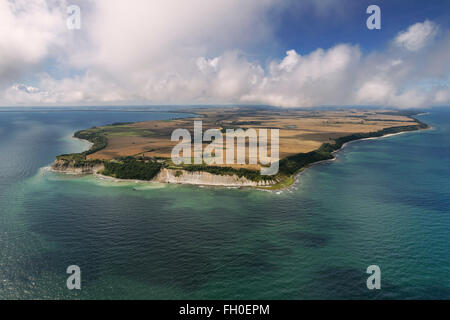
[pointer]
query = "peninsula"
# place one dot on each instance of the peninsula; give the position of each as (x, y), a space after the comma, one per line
(142, 150)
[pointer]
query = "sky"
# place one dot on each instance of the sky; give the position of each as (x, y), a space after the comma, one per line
(287, 53)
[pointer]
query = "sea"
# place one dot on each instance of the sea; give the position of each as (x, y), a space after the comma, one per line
(383, 202)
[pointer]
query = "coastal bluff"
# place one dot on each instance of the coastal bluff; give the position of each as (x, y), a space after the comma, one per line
(206, 178)
(72, 167)
(165, 175)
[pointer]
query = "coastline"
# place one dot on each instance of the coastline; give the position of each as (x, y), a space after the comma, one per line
(228, 181)
(382, 137)
(296, 177)
(372, 138)
(95, 173)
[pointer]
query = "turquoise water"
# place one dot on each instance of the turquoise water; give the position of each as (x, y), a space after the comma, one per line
(384, 202)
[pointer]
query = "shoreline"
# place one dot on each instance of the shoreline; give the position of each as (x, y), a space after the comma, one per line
(372, 138)
(284, 184)
(100, 176)
(296, 177)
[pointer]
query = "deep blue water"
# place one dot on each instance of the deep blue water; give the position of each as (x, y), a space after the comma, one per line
(384, 202)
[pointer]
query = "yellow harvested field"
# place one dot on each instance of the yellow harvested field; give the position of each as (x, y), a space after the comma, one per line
(300, 131)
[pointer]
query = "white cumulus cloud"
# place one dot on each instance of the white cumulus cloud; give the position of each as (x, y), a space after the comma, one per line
(28, 31)
(417, 36)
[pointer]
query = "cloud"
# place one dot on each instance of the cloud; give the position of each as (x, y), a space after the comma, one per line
(157, 34)
(417, 36)
(442, 96)
(24, 88)
(28, 31)
(307, 81)
(196, 52)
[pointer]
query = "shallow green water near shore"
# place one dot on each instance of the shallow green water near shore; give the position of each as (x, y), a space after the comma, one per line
(383, 202)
